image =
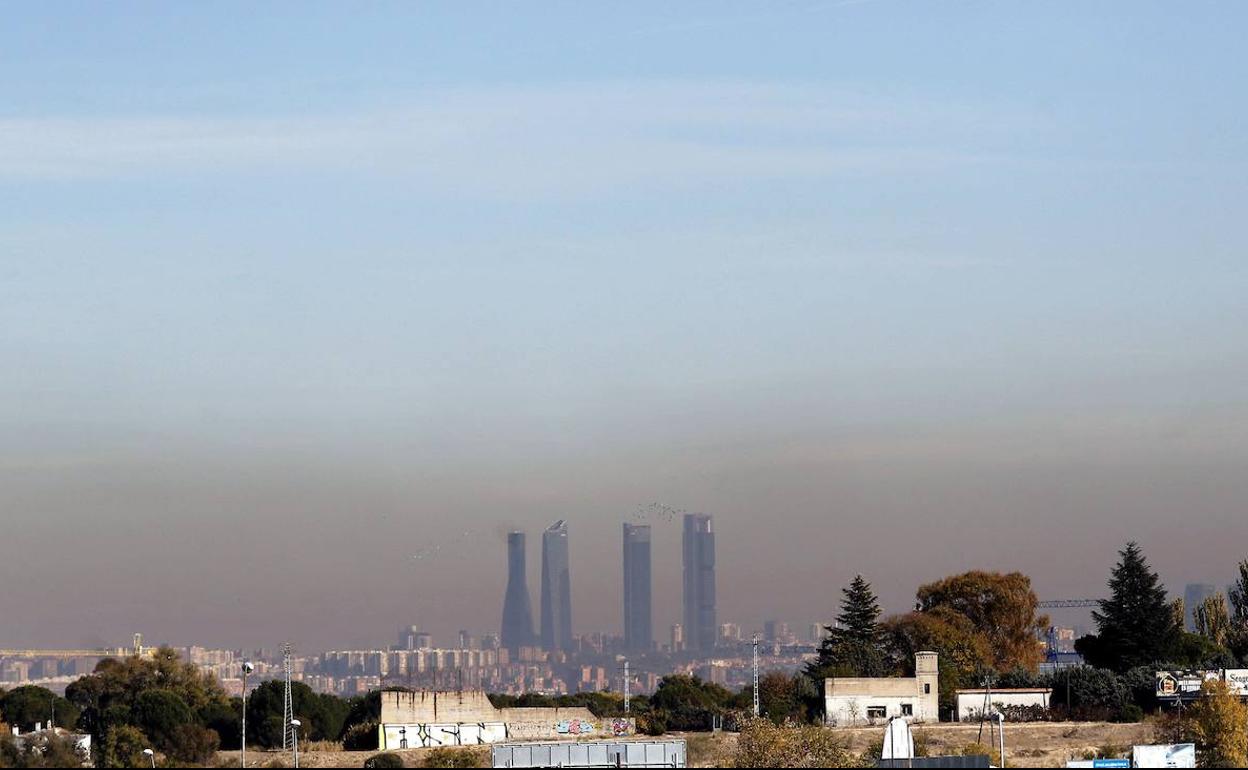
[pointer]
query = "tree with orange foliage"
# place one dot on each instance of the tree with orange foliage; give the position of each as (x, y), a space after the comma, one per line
(1001, 607)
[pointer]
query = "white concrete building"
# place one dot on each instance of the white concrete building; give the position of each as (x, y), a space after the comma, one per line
(863, 700)
(970, 703)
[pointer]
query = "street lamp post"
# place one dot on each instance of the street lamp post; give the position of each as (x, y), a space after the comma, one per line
(150, 755)
(1001, 724)
(294, 734)
(248, 667)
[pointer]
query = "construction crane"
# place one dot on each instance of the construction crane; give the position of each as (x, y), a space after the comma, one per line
(1050, 640)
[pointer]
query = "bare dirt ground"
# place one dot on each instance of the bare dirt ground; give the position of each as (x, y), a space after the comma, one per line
(1040, 744)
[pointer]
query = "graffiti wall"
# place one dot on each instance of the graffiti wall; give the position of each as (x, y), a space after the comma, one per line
(425, 735)
(414, 736)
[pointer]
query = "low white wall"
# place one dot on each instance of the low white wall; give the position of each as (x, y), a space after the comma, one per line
(848, 711)
(971, 704)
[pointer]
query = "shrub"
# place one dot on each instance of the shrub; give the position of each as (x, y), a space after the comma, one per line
(457, 757)
(192, 743)
(384, 759)
(361, 737)
(764, 744)
(652, 723)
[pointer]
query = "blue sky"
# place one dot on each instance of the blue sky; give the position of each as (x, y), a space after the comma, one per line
(469, 252)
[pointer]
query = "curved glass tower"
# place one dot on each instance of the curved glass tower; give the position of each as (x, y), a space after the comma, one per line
(517, 630)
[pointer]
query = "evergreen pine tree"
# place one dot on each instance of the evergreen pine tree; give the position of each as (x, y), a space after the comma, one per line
(854, 646)
(1136, 625)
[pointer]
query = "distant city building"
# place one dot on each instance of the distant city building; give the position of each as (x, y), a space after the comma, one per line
(1193, 595)
(817, 632)
(678, 638)
(466, 640)
(556, 589)
(407, 637)
(777, 631)
(638, 632)
(698, 544)
(729, 633)
(517, 628)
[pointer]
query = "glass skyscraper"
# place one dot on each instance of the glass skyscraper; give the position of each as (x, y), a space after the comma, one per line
(517, 630)
(556, 589)
(638, 633)
(698, 542)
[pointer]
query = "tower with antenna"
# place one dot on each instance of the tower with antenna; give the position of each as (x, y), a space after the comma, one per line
(756, 703)
(288, 705)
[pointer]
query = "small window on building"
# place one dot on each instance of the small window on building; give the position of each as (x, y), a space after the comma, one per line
(907, 710)
(927, 688)
(876, 712)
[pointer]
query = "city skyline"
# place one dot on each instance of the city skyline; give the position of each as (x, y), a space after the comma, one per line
(300, 316)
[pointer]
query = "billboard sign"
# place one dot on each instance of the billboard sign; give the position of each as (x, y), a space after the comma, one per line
(1237, 680)
(1183, 685)
(1172, 755)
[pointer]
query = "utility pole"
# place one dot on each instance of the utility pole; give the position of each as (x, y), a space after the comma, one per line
(626, 693)
(756, 702)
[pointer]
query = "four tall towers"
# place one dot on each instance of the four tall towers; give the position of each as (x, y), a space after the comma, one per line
(698, 546)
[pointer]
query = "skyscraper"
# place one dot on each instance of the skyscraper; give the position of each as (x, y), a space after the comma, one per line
(638, 633)
(556, 589)
(698, 543)
(517, 630)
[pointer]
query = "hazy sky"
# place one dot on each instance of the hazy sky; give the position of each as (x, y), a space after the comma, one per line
(290, 292)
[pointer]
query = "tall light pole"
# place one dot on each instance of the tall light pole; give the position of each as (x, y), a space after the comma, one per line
(248, 667)
(150, 755)
(295, 724)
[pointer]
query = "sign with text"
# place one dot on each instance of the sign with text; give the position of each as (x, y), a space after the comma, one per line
(1237, 680)
(1183, 685)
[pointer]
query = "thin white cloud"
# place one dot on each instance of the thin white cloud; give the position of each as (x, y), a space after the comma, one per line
(570, 139)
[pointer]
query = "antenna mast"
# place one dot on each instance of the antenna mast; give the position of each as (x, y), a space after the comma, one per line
(626, 692)
(288, 710)
(755, 645)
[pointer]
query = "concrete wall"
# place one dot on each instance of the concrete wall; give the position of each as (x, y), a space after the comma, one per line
(437, 707)
(851, 710)
(971, 702)
(468, 718)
